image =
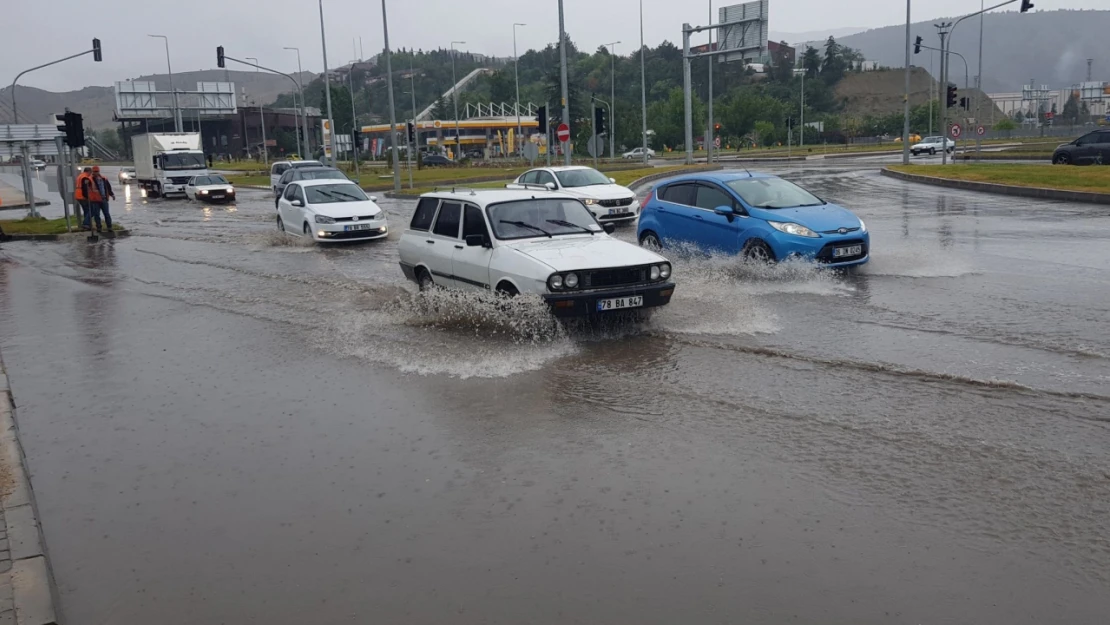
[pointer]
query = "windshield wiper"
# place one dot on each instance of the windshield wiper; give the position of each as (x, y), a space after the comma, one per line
(521, 224)
(353, 197)
(567, 224)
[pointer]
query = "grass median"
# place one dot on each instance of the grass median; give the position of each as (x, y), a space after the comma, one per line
(41, 225)
(1046, 176)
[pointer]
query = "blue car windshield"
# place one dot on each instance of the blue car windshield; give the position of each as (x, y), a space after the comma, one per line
(773, 193)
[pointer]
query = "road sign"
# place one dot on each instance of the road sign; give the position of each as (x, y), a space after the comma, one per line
(562, 133)
(717, 142)
(956, 131)
(980, 131)
(596, 146)
(531, 151)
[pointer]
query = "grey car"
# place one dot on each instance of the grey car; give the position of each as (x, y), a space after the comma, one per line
(306, 173)
(1092, 148)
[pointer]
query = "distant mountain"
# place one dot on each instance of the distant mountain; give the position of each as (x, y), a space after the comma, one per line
(1051, 47)
(97, 104)
(813, 35)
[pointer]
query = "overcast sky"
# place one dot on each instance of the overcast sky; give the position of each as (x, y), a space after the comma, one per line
(35, 33)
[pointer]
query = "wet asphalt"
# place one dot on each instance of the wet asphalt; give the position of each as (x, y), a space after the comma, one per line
(224, 425)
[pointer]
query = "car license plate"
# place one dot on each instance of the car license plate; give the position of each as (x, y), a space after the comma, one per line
(218, 197)
(854, 250)
(618, 211)
(617, 303)
(356, 227)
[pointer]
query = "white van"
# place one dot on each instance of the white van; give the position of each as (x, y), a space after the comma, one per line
(280, 167)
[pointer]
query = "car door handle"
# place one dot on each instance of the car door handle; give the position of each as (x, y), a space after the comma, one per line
(459, 247)
(699, 217)
(430, 241)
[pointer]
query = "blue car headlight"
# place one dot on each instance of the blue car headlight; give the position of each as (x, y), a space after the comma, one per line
(862, 226)
(790, 227)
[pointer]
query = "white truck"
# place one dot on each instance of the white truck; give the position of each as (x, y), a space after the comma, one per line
(164, 162)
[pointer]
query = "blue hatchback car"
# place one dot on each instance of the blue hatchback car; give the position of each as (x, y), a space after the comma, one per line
(760, 216)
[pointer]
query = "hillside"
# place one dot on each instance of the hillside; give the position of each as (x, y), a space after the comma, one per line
(1052, 47)
(97, 104)
(880, 92)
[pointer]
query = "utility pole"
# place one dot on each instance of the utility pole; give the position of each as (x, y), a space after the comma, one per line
(906, 103)
(412, 86)
(563, 78)
(612, 96)
(709, 111)
(455, 98)
(643, 86)
(802, 114)
(173, 91)
(392, 111)
(516, 75)
(943, 30)
(304, 107)
(687, 99)
(1089, 63)
(979, 82)
(327, 86)
(262, 117)
(354, 118)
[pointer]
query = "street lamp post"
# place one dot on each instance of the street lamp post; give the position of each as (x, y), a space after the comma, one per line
(643, 87)
(169, 68)
(304, 108)
(906, 97)
(392, 110)
(612, 95)
(354, 117)
(709, 109)
(412, 86)
(516, 73)
(455, 98)
(262, 116)
(327, 86)
(563, 78)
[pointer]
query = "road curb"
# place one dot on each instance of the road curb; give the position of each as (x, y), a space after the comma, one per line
(34, 592)
(114, 234)
(1002, 189)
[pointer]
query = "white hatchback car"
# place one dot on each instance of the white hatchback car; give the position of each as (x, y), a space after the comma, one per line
(213, 188)
(932, 145)
(606, 199)
(330, 210)
(527, 242)
(638, 153)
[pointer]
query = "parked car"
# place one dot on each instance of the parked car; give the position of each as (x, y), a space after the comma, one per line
(607, 200)
(759, 216)
(318, 172)
(1091, 148)
(126, 175)
(515, 241)
(211, 188)
(437, 160)
(37, 164)
(932, 145)
(330, 210)
(280, 167)
(638, 153)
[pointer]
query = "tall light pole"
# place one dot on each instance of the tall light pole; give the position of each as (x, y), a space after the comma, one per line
(392, 111)
(563, 78)
(906, 103)
(709, 110)
(802, 113)
(354, 117)
(327, 86)
(173, 90)
(262, 116)
(412, 86)
(643, 86)
(304, 105)
(455, 98)
(612, 94)
(516, 73)
(979, 80)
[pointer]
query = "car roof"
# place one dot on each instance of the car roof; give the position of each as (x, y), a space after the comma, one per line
(485, 197)
(318, 181)
(315, 168)
(563, 168)
(724, 176)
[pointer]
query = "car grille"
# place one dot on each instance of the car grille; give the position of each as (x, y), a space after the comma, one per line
(355, 234)
(179, 179)
(360, 218)
(616, 203)
(604, 278)
(837, 231)
(826, 253)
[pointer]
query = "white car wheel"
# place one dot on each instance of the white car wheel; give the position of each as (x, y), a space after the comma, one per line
(308, 231)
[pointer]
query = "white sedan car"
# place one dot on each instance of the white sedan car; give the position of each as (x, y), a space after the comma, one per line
(607, 200)
(932, 145)
(330, 210)
(523, 242)
(638, 153)
(214, 188)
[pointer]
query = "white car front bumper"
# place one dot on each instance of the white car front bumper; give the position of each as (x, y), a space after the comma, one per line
(351, 231)
(616, 214)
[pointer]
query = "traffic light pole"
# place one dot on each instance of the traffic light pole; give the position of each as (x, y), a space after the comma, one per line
(944, 82)
(295, 83)
(15, 109)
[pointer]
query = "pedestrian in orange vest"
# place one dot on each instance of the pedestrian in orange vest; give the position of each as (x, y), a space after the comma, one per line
(80, 194)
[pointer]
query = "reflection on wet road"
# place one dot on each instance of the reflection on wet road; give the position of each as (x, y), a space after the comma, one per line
(227, 425)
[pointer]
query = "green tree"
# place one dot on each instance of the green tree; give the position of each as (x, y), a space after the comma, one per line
(667, 117)
(781, 69)
(1006, 125)
(442, 109)
(1084, 112)
(1071, 110)
(811, 62)
(763, 133)
(832, 68)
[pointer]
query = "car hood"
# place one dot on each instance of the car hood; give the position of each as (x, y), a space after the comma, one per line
(817, 218)
(347, 209)
(600, 192)
(572, 253)
(216, 187)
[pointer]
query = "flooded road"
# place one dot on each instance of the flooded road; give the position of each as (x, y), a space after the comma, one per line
(226, 425)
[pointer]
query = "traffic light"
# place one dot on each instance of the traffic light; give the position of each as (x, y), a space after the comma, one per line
(600, 127)
(412, 132)
(74, 126)
(97, 56)
(917, 45)
(716, 126)
(963, 103)
(1026, 5)
(541, 118)
(952, 96)
(220, 57)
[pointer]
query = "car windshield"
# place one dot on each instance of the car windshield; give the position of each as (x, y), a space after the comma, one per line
(182, 160)
(332, 193)
(129, 170)
(581, 178)
(540, 218)
(773, 193)
(300, 164)
(217, 180)
(321, 174)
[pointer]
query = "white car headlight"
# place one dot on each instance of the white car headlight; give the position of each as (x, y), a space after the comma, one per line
(665, 270)
(654, 273)
(790, 227)
(571, 280)
(324, 219)
(862, 226)
(589, 201)
(555, 282)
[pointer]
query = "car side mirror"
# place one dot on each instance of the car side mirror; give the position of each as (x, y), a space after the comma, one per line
(477, 240)
(609, 228)
(297, 203)
(373, 198)
(613, 180)
(726, 211)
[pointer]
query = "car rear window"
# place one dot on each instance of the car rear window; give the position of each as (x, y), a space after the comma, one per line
(447, 224)
(679, 194)
(279, 168)
(425, 212)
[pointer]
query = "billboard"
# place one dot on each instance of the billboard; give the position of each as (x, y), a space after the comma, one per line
(143, 100)
(747, 39)
(1091, 91)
